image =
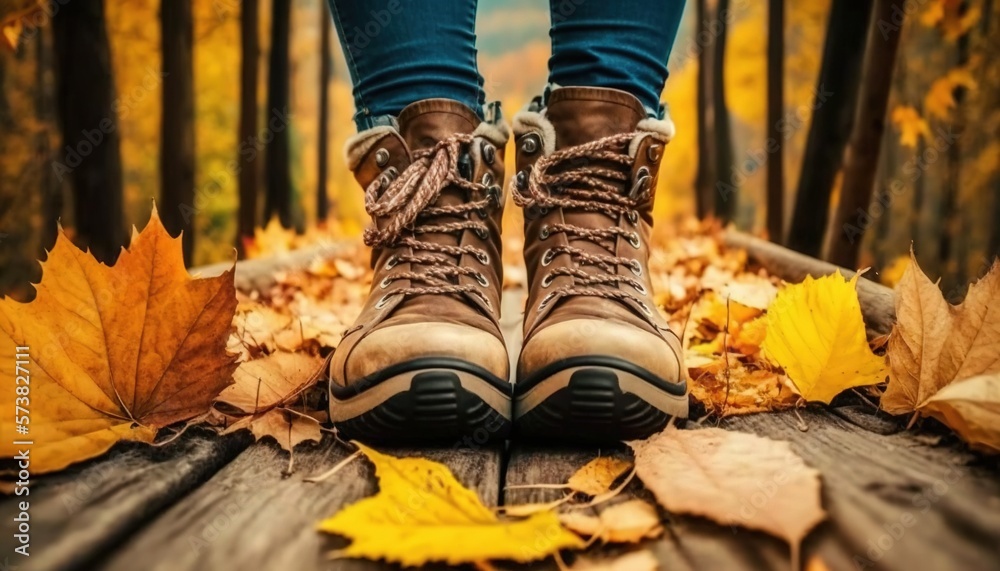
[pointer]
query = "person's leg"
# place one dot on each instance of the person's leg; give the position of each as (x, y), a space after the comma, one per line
(599, 361)
(425, 359)
(620, 45)
(403, 51)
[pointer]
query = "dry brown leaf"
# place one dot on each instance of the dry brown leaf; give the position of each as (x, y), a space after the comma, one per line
(597, 476)
(628, 522)
(971, 407)
(635, 561)
(116, 351)
(271, 381)
(935, 343)
(732, 478)
(287, 428)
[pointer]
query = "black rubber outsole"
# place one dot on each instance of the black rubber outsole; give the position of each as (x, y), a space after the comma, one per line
(591, 408)
(436, 409)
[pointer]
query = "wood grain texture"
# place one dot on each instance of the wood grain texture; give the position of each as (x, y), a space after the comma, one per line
(894, 501)
(81, 513)
(251, 516)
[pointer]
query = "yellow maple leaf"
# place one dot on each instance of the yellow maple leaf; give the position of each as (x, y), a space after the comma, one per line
(940, 98)
(910, 124)
(115, 352)
(816, 333)
(422, 513)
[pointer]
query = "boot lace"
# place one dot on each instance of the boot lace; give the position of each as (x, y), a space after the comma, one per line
(407, 201)
(588, 178)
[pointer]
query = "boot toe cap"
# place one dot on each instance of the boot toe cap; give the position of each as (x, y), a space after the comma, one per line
(397, 344)
(580, 338)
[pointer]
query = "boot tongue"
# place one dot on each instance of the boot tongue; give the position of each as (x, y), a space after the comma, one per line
(424, 123)
(584, 114)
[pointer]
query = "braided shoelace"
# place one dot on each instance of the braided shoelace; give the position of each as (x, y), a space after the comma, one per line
(408, 200)
(579, 179)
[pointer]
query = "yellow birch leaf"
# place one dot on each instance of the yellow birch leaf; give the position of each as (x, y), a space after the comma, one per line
(940, 98)
(816, 333)
(421, 513)
(910, 124)
(115, 351)
(971, 408)
(597, 476)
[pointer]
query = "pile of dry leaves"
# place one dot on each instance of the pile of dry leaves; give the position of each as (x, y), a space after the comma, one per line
(122, 352)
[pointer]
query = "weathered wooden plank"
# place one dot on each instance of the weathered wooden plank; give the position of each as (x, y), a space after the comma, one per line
(251, 516)
(877, 301)
(79, 514)
(894, 501)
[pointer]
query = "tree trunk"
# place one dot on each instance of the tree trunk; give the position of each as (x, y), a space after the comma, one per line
(279, 184)
(91, 156)
(325, 73)
(861, 159)
(177, 127)
(727, 191)
(952, 262)
(775, 111)
(834, 106)
(706, 176)
(52, 198)
(249, 67)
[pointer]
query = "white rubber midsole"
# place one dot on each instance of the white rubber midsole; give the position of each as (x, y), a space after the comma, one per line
(364, 401)
(674, 405)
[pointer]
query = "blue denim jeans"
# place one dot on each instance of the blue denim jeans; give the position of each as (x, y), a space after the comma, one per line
(402, 51)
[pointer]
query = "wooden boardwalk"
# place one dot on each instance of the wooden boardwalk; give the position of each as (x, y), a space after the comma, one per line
(205, 502)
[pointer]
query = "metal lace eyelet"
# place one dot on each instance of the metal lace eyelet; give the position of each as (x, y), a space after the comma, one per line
(392, 173)
(530, 144)
(381, 157)
(543, 234)
(645, 308)
(482, 280)
(483, 258)
(640, 288)
(636, 268)
(385, 282)
(392, 262)
(489, 152)
(641, 186)
(383, 301)
(633, 217)
(481, 213)
(633, 239)
(548, 256)
(487, 179)
(654, 152)
(482, 233)
(494, 194)
(521, 180)
(547, 280)
(545, 300)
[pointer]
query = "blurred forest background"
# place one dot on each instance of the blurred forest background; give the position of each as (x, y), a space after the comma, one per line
(233, 113)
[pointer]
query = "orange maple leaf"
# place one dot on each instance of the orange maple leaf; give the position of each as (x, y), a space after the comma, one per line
(116, 352)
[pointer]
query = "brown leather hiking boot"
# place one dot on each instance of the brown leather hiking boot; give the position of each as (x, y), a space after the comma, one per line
(598, 362)
(425, 359)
